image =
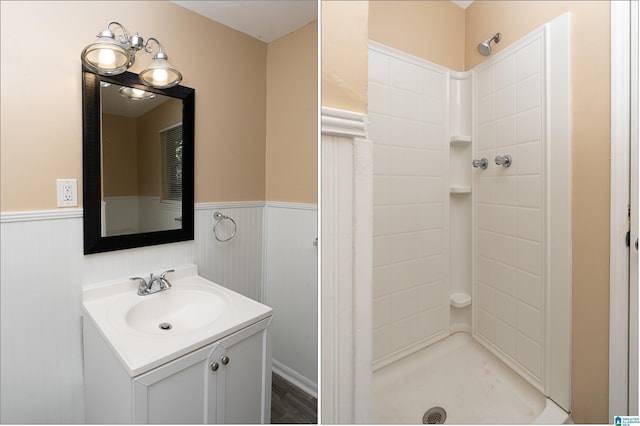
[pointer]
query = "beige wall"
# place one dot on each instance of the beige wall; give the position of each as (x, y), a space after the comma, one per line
(344, 54)
(292, 117)
(120, 155)
(132, 149)
(40, 76)
(149, 144)
(432, 30)
(590, 57)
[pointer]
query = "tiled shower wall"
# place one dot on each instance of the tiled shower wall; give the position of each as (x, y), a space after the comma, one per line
(408, 110)
(509, 313)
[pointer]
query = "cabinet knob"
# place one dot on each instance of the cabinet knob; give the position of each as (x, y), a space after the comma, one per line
(225, 360)
(214, 366)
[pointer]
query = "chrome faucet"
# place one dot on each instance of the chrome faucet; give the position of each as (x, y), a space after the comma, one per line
(503, 160)
(146, 287)
(483, 163)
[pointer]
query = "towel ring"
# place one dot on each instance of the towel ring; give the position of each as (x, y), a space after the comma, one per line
(219, 217)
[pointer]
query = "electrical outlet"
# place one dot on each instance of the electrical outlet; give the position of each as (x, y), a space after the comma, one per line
(67, 192)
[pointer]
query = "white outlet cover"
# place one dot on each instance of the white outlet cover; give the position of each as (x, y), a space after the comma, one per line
(67, 191)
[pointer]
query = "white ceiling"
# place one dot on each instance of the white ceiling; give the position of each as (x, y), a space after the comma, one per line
(265, 20)
(462, 3)
(115, 104)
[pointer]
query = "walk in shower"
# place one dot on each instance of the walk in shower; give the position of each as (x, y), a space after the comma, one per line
(471, 234)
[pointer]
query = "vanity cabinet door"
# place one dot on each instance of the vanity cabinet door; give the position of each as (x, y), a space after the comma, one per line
(243, 377)
(228, 381)
(177, 392)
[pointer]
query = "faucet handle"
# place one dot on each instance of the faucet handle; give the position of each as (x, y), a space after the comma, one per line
(143, 286)
(503, 160)
(166, 272)
(163, 281)
(482, 163)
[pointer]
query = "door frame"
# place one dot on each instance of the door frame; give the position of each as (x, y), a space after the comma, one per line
(622, 313)
(635, 187)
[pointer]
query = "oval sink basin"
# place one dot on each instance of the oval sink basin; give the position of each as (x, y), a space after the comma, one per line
(175, 311)
(193, 313)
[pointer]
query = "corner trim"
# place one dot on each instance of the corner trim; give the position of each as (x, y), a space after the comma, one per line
(346, 270)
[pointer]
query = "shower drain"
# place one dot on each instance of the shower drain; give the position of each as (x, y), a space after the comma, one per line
(434, 416)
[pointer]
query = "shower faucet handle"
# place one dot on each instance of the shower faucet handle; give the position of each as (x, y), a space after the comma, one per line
(503, 160)
(483, 163)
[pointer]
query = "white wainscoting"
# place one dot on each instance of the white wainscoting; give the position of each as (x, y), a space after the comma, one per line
(146, 214)
(40, 329)
(43, 271)
(237, 263)
(128, 214)
(291, 289)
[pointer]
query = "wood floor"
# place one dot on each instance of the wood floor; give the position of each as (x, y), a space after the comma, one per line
(290, 405)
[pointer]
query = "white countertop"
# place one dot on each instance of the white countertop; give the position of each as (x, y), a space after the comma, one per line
(107, 304)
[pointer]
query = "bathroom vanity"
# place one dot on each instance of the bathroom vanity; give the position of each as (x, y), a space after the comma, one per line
(195, 353)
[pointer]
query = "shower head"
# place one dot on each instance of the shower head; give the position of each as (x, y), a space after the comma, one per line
(484, 48)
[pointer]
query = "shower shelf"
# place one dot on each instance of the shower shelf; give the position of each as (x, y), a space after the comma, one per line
(460, 300)
(460, 140)
(460, 189)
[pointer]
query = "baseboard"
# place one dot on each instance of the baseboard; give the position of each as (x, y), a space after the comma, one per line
(295, 378)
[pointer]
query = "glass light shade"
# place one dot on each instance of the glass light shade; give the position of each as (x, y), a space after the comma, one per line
(135, 94)
(106, 56)
(161, 74)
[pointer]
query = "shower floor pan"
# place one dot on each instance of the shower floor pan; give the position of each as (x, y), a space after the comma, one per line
(459, 375)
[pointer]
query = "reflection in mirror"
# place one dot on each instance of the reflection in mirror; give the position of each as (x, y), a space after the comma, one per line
(141, 161)
(137, 163)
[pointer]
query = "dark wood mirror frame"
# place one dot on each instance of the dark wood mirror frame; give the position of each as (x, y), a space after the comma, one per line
(94, 242)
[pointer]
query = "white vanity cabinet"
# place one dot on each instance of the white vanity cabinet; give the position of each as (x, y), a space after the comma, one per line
(195, 353)
(225, 382)
(228, 381)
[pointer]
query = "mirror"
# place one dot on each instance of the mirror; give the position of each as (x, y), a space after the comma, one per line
(137, 163)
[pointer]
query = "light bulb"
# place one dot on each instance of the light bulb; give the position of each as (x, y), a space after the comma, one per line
(107, 57)
(138, 92)
(160, 75)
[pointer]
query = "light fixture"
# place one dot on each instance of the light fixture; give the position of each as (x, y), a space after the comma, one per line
(107, 56)
(135, 94)
(160, 73)
(111, 56)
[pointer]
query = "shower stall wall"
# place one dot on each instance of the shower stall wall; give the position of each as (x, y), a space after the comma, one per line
(409, 115)
(509, 207)
(473, 249)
